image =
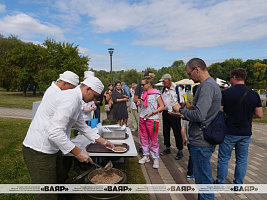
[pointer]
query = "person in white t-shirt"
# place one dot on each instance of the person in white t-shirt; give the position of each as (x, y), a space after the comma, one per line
(151, 104)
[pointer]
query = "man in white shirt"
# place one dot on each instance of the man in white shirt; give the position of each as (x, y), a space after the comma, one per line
(67, 80)
(48, 135)
(170, 95)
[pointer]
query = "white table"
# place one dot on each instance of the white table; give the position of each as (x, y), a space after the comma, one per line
(81, 142)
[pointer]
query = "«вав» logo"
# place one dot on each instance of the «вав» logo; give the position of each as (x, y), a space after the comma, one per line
(243, 189)
(55, 188)
(118, 188)
(181, 188)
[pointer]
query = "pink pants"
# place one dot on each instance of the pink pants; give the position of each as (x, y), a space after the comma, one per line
(148, 135)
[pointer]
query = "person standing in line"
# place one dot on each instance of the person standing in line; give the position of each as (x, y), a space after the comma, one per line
(185, 134)
(48, 136)
(239, 126)
(151, 105)
(170, 95)
(119, 99)
(133, 108)
(67, 80)
(206, 105)
(126, 89)
(108, 101)
(137, 99)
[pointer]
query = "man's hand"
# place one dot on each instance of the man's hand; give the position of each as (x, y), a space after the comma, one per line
(83, 157)
(176, 107)
(138, 103)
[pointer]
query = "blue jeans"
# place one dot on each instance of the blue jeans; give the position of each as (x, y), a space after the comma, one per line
(202, 167)
(241, 144)
(190, 170)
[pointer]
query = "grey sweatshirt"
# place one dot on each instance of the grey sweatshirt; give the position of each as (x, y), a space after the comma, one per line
(206, 105)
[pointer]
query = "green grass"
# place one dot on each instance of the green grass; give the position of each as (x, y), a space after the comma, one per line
(14, 171)
(17, 100)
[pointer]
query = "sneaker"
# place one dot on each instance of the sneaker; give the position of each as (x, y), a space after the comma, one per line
(179, 155)
(190, 177)
(165, 152)
(156, 164)
(144, 160)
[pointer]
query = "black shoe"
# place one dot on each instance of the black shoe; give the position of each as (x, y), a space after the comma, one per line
(165, 152)
(140, 150)
(179, 155)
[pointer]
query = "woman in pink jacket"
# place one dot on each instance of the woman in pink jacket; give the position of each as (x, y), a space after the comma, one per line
(151, 104)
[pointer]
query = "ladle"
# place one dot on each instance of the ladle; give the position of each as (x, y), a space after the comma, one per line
(108, 166)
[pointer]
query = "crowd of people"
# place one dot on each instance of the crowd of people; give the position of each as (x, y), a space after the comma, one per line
(61, 109)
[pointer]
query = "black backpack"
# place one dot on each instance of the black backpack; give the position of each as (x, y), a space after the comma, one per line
(216, 130)
(177, 92)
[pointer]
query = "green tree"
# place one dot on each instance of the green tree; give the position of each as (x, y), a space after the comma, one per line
(60, 57)
(7, 78)
(260, 72)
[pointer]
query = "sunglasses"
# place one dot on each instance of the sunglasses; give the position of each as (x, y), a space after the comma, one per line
(142, 85)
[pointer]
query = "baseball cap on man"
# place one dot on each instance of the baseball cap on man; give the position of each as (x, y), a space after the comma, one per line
(69, 77)
(94, 83)
(88, 74)
(165, 76)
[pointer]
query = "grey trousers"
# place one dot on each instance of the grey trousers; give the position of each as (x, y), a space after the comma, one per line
(44, 169)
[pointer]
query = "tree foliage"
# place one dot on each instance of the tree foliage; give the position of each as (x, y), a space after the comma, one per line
(24, 65)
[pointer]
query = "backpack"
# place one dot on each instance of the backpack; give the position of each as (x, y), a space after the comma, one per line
(177, 92)
(215, 132)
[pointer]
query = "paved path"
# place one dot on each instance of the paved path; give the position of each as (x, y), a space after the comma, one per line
(173, 171)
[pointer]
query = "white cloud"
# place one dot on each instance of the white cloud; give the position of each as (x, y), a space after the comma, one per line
(2, 8)
(27, 27)
(177, 24)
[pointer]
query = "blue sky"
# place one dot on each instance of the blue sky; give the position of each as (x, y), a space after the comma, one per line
(144, 33)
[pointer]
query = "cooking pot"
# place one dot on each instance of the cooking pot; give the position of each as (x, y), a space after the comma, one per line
(106, 196)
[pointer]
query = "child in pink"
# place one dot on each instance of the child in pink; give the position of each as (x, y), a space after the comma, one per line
(151, 104)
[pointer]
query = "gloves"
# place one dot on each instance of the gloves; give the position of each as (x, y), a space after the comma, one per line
(84, 157)
(108, 144)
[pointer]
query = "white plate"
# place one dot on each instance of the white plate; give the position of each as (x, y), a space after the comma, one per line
(120, 151)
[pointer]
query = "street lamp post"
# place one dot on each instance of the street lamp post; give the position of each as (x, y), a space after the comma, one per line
(111, 50)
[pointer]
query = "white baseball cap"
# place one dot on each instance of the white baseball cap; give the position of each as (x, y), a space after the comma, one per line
(88, 74)
(69, 77)
(94, 83)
